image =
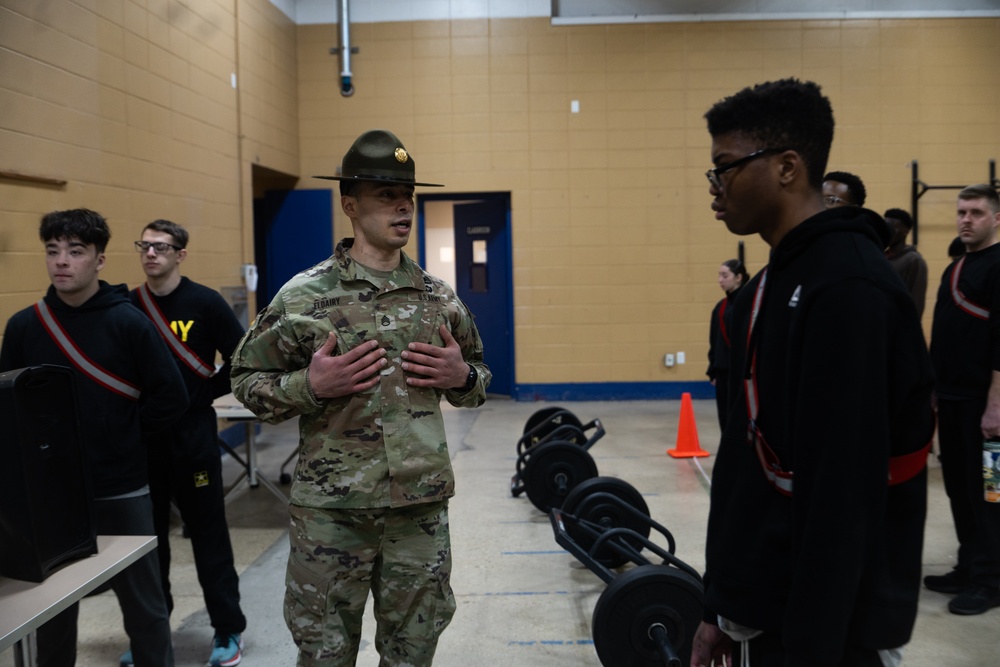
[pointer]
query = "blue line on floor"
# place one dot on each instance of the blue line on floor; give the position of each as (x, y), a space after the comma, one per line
(514, 593)
(552, 642)
(532, 553)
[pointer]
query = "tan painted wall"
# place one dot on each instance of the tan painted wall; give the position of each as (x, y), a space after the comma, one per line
(615, 249)
(132, 104)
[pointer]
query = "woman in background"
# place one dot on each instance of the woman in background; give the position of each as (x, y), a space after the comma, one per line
(732, 276)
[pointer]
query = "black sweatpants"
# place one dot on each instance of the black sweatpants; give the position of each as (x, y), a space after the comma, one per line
(977, 522)
(185, 467)
(144, 612)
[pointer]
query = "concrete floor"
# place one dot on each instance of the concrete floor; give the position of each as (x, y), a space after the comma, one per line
(522, 599)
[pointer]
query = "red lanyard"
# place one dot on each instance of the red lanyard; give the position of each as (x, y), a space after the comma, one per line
(76, 356)
(901, 468)
(780, 479)
(961, 300)
(722, 320)
(182, 351)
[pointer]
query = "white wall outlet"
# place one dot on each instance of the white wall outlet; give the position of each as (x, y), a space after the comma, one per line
(668, 360)
(680, 357)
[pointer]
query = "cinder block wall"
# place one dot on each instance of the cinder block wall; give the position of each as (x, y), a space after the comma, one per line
(133, 105)
(615, 248)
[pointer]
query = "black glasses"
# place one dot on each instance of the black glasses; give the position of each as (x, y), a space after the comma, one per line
(159, 248)
(714, 175)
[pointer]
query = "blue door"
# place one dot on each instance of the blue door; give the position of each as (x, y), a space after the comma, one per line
(483, 280)
(293, 229)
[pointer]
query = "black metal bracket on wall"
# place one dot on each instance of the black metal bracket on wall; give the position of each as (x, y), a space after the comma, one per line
(918, 188)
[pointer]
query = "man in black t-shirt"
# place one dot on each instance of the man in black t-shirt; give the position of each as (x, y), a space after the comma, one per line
(185, 467)
(965, 349)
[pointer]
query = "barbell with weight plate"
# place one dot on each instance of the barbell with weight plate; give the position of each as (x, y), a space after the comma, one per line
(647, 615)
(553, 469)
(601, 503)
(546, 426)
(544, 421)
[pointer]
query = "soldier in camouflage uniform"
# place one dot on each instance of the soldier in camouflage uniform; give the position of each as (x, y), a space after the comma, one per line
(361, 347)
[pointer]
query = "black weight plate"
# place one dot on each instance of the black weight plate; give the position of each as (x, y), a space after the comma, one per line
(636, 601)
(553, 470)
(607, 513)
(548, 420)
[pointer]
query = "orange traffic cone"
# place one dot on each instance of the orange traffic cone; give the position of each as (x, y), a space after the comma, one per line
(687, 432)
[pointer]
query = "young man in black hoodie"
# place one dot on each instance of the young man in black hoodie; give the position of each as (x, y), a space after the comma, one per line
(185, 466)
(126, 385)
(819, 489)
(905, 259)
(965, 347)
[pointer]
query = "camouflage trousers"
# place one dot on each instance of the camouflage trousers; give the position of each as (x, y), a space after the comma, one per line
(402, 555)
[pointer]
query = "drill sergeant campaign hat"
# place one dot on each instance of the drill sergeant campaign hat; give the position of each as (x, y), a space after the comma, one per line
(379, 156)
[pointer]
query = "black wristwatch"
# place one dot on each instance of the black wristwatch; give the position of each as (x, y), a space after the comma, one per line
(470, 381)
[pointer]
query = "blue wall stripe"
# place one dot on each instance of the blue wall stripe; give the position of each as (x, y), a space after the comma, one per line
(612, 391)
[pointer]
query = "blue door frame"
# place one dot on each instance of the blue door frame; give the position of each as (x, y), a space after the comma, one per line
(486, 287)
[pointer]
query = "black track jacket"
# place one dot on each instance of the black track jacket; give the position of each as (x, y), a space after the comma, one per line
(844, 378)
(122, 340)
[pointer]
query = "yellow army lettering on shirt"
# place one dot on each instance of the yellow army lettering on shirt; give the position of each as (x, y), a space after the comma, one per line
(181, 328)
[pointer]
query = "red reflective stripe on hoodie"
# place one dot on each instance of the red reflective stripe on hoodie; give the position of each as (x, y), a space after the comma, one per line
(76, 356)
(963, 302)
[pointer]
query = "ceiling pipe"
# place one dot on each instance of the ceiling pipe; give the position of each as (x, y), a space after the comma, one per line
(346, 86)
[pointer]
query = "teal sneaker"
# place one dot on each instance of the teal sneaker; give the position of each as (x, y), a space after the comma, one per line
(126, 659)
(227, 650)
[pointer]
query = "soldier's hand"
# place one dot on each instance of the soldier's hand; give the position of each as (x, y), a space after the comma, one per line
(332, 376)
(990, 422)
(711, 646)
(432, 366)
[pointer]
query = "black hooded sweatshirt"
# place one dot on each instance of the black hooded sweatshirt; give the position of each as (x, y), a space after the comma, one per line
(119, 338)
(844, 381)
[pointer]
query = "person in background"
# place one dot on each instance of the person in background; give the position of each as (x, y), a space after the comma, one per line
(185, 466)
(829, 432)
(732, 276)
(965, 347)
(842, 188)
(361, 348)
(906, 259)
(126, 385)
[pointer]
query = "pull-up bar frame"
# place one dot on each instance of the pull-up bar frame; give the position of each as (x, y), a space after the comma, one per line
(918, 189)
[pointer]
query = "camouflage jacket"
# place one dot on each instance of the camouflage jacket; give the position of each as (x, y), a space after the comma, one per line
(381, 448)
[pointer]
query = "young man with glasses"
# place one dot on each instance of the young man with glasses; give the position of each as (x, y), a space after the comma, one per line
(126, 386)
(818, 493)
(362, 348)
(842, 188)
(185, 467)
